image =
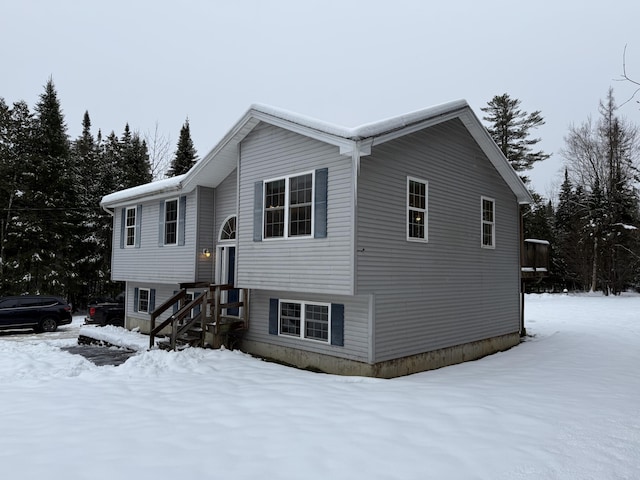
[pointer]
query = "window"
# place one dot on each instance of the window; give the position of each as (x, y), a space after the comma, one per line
(416, 210)
(488, 222)
(288, 207)
(143, 300)
(171, 222)
(305, 320)
(188, 298)
(228, 231)
(130, 227)
(300, 203)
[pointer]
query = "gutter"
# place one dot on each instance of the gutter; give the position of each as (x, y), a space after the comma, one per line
(139, 192)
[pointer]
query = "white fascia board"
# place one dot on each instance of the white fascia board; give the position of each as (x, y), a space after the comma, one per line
(230, 140)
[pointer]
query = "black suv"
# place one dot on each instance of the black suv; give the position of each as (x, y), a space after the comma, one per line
(40, 312)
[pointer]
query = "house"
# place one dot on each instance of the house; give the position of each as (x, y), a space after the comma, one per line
(381, 250)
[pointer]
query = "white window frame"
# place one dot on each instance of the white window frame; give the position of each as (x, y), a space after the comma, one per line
(424, 212)
(223, 229)
(190, 297)
(177, 220)
(128, 227)
(287, 205)
(302, 335)
(484, 222)
(140, 290)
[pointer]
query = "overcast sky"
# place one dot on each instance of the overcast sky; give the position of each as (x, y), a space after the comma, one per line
(341, 61)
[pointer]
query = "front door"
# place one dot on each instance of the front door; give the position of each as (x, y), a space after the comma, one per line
(228, 275)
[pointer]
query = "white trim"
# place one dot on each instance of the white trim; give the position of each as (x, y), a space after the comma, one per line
(303, 304)
(483, 222)
(127, 226)
(287, 205)
(425, 211)
(224, 224)
(223, 158)
(140, 290)
(222, 261)
(164, 222)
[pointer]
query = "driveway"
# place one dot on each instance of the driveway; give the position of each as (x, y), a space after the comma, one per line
(66, 338)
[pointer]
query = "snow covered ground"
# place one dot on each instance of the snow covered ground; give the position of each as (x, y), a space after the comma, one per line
(563, 405)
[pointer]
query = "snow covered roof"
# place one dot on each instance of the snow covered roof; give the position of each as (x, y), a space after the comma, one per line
(363, 131)
(161, 187)
(222, 159)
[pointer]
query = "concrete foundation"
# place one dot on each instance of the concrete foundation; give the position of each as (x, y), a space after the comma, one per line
(387, 369)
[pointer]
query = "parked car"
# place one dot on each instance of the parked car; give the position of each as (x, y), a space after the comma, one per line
(43, 313)
(106, 311)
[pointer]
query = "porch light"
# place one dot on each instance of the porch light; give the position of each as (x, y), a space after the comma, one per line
(206, 252)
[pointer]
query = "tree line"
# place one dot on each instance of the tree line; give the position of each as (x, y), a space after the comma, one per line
(593, 224)
(54, 237)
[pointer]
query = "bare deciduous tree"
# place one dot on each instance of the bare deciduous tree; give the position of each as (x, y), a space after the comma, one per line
(602, 159)
(160, 152)
(627, 78)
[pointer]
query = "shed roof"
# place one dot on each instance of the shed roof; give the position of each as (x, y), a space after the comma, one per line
(216, 165)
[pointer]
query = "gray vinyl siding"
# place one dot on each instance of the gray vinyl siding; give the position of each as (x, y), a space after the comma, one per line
(166, 264)
(356, 324)
(205, 228)
(162, 292)
(320, 265)
(226, 201)
(448, 291)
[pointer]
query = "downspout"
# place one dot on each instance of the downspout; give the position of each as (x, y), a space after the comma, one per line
(110, 212)
(355, 172)
(523, 330)
(360, 149)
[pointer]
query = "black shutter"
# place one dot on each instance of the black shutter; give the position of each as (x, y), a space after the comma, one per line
(122, 224)
(152, 300)
(136, 296)
(257, 212)
(138, 225)
(273, 316)
(320, 214)
(182, 212)
(337, 324)
(161, 224)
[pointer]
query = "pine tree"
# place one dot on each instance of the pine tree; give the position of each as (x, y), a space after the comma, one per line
(7, 181)
(52, 197)
(134, 159)
(186, 156)
(511, 128)
(92, 248)
(15, 220)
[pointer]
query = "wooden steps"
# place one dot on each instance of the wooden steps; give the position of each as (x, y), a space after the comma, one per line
(203, 321)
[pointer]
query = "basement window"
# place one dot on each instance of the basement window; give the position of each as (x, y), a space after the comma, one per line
(305, 320)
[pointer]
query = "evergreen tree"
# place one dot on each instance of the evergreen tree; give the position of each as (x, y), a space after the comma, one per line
(7, 181)
(93, 243)
(17, 153)
(134, 159)
(511, 128)
(186, 156)
(52, 199)
(110, 154)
